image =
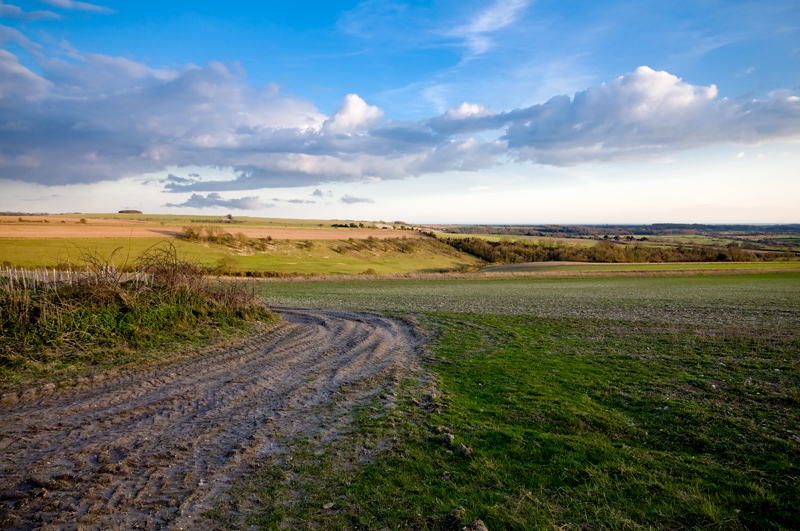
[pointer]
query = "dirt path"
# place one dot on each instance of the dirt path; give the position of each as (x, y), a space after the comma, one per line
(153, 448)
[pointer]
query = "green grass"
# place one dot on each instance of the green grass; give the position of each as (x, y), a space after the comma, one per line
(688, 266)
(283, 256)
(769, 301)
(338, 256)
(40, 252)
(612, 403)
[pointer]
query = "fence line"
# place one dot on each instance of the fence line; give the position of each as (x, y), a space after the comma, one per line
(43, 279)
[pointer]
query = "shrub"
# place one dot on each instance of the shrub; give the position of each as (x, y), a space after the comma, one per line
(104, 307)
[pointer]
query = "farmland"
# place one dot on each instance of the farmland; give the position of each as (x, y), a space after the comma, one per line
(282, 256)
(275, 247)
(614, 403)
(551, 395)
(769, 300)
(257, 245)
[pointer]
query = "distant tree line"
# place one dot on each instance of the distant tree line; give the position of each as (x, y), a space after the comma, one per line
(594, 231)
(510, 252)
(347, 225)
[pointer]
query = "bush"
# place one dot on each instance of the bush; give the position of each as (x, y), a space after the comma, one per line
(104, 307)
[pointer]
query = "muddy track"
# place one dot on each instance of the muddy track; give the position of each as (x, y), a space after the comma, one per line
(153, 448)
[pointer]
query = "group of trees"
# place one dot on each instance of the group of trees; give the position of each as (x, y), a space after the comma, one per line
(348, 225)
(510, 252)
(404, 245)
(218, 235)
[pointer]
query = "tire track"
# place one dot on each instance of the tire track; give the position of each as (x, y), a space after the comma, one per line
(152, 449)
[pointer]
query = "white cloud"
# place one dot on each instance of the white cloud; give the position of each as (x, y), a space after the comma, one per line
(73, 4)
(497, 16)
(12, 35)
(97, 117)
(100, 118)
(645, 114)
(350, 200)
(467, 110)
(18, 83)
(353, 115)
(14, 12)
(215, 200)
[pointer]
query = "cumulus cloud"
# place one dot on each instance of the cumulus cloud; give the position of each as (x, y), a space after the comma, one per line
(353, 115)
(350, 200)
(83, 118)
(96, 117)
(646, 114)
(642, 115)
(466, 110)
(215, 200)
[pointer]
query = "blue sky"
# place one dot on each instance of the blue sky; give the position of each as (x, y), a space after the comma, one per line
(512, 111)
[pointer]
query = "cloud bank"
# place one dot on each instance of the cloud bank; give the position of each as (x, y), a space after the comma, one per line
(83, 118)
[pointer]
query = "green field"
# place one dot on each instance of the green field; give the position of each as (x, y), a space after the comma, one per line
(282, 256)
(655, 267)
(770, 300)
(587, 403)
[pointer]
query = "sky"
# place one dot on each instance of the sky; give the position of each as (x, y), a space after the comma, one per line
(440, 111)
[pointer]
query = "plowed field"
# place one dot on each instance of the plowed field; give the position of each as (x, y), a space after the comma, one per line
(106, 228)
(153, 447)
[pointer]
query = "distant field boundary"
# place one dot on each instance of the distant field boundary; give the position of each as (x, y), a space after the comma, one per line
(543, 274)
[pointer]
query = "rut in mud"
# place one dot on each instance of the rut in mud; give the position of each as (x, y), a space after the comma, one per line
(152, 449)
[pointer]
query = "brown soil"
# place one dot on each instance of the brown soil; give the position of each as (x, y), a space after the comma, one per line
(87, 231)
(104, 228)
(155, 447)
